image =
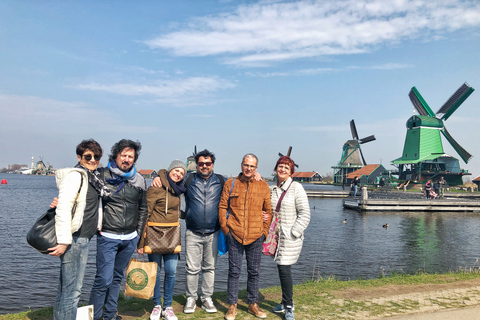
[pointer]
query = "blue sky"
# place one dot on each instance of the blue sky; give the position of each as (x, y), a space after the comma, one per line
(232, 76)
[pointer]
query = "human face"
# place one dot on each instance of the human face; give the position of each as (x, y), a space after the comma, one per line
(249, 166)
(283, 172)
(125, 159)
(91, 164)
(202, 169)
(176, 174)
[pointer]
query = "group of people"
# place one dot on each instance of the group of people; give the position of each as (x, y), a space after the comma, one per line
(114, 204)
(434, 190)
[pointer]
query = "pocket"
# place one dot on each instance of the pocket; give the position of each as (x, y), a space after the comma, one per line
(234, 199)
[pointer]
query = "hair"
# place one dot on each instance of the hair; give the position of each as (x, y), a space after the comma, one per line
(249, 155)
(122, 144)
(205, 153)
(286, 160)
(91, 145)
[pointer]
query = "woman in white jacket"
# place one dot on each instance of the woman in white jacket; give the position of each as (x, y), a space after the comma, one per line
(294, 218)
(76, 222)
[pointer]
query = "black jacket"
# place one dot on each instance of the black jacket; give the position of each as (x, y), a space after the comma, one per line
(125, 211)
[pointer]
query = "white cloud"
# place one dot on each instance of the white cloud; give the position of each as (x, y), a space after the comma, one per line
(266, 32)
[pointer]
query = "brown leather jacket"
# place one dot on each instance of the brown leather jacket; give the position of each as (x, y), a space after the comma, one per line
(247, 201)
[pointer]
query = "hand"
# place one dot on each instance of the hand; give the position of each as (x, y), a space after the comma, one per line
(140, 251)
(265, 216)
(257, 176)
(58, 250)
(54, 203)
(156, 183)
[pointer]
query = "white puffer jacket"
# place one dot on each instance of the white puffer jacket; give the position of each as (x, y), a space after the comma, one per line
(68, 182)
(294, 219)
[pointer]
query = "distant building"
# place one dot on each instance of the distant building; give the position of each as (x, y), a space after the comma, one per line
(148, 173)
(369, 174)
(477, 181)
(306, 176)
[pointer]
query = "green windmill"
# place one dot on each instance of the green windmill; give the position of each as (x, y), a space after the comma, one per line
(423, 156)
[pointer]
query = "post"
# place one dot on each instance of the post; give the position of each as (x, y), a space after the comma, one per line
(364, 194)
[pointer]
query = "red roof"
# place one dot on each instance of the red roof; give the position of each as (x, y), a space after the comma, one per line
(367, 170)
(476, 179)
(145, 172)
(303, 174)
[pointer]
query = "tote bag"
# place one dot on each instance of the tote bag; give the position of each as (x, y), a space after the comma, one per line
(141, 277)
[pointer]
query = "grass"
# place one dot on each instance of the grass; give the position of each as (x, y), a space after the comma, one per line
(317, 299)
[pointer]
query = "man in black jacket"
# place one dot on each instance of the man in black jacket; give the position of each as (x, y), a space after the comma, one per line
(124, 216)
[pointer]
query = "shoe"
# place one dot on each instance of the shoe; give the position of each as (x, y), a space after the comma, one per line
(254, 309)
(289, 313)
(156, 313)
(281, 308)
(190, 305)
(168, 314)
(208, 306)
(232, 312)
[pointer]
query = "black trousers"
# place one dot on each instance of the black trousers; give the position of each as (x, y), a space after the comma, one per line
(286, 282)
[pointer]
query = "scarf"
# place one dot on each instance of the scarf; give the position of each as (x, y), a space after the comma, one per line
(120, 177)
(95, 181)
(178, 187)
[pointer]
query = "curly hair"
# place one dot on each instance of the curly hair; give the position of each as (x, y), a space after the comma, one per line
(205, 153)
(122, 144)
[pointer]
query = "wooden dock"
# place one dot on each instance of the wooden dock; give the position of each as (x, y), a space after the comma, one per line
(327, 193)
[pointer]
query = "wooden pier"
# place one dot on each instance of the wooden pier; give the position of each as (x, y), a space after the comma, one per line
(327, 193)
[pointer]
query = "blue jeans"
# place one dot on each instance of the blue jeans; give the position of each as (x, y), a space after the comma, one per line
(112, 258)
(170, 264)
(355, 189)
(72, 270)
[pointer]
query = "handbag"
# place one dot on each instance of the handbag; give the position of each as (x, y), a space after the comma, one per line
(270, 243)
(141, 278)
(222, 239)
(163, 238)
(42, 235)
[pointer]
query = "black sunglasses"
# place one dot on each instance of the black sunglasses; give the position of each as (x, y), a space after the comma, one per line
(88, 157)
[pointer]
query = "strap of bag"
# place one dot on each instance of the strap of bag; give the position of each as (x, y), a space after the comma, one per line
(74, 208)
(277, 209)
(179, 203)
(228, 210)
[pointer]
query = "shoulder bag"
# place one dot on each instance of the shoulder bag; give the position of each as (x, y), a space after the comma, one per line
(222, 240)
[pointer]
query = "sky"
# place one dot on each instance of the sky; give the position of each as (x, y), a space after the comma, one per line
(234, 77)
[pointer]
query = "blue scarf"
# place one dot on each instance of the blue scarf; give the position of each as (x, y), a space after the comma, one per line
(120, 177)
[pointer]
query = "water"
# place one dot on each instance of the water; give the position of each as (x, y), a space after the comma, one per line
(362, 248)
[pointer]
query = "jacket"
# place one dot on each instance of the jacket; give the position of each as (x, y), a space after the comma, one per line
(247, 201)
(294, 218)
(202, 198)
(126, 211)
(68, 182)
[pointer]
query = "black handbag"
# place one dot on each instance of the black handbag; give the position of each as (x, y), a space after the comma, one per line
(42, 235)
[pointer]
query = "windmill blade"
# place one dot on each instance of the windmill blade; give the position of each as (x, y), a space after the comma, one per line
(354, 130)
(361, 154)
(455, 101)
(280, 155)
(461, 152)
(367, 139)
(289, 151)
(419, 103)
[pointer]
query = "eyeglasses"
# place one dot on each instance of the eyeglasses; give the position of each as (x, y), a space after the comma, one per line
(246, 166)
(88, 157)
(208, 164)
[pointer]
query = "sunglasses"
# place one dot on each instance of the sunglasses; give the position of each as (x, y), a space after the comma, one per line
(88, 157)
(208, 164)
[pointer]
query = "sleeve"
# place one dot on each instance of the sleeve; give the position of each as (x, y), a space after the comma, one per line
(142, 213)
(267, 207)
(67, 195)
(223, 206)
(303, 211)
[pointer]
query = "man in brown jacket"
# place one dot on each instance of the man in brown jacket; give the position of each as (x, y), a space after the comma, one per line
(245, 231)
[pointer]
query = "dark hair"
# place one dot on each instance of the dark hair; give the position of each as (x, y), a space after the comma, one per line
(286, 160)
(91, 145)
(205, 153)
(122, 144)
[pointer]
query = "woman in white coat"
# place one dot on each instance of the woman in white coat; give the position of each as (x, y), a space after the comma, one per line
(294, 218)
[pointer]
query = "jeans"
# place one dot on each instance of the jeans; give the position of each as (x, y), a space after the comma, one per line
(72, 270)
(253, 254)
(112, 258)
(355, 189)
(200, 255)
(170, 264)
(286, 282)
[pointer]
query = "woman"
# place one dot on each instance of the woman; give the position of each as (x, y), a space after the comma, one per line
(355, 186)
(428, 189)
(294, 218)
(164, 207)
(80, 186)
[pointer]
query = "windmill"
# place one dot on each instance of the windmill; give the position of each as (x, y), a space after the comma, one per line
(289, 152)
(191, 165)
(352, 157)
(423, 156)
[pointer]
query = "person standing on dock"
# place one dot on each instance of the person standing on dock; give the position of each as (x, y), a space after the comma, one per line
(428, 188)
(245, 231)
(355, 186)
(441, 184)
(124, 215)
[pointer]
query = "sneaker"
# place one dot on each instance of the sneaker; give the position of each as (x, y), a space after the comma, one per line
(190, 305)
(168, 314)
(254, 309)
(208, 306)
(232, 312)
(289, 313)
(281, 308)
(156, 313)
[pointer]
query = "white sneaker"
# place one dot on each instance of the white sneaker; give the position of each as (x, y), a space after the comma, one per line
(190, 305)
(168, 314)
(208, 306)
(156, 313)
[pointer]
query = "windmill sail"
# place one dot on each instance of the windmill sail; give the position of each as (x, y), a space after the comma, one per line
(420, 104)
(461, 152)
(455, 101)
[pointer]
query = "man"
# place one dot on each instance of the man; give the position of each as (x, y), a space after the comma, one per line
(245, 231)
(124, 216)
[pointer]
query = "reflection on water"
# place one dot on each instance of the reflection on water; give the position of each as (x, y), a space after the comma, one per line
(434, 242)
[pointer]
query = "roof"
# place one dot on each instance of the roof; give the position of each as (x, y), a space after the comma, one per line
(303, 174)
(365, 171)
(145, 172)
(476, 179)
(425, 158)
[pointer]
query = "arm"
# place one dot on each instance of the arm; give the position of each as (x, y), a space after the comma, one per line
(156, 182)
(142, 214)
(223, 207)
(303, 211)
(267, 210)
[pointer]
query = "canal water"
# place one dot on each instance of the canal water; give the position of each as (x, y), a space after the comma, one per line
(361, 248)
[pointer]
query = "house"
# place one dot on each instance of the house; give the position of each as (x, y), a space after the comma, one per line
(369, 174)
(306, 176)
(477, 182)
(148, 173)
